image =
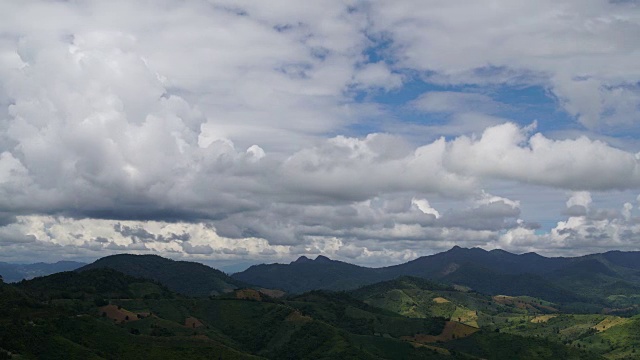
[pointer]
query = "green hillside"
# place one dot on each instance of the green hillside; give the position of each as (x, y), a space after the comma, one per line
(530, 320)
(184, 277)
(104, 314)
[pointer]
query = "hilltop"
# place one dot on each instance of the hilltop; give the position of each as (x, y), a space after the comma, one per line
(184, 277)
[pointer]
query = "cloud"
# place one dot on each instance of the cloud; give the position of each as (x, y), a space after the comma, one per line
(197, 249)
(425, 207)
(584, 53)
(249, 129)
(12, 235)
(507, 152)
(595, 230)
(578, 203)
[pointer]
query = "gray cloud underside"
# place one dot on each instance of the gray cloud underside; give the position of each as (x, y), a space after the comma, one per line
(219, 113)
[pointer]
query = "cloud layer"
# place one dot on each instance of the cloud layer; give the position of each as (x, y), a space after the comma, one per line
(246, 130)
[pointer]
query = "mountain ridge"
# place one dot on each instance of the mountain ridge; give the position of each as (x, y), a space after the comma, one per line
(17, 272)
(184, 277)
(495, 272)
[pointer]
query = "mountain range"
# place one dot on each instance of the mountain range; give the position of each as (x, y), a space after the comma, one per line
(459, 304)
(17, 272)
(571, 281)
(97, 312)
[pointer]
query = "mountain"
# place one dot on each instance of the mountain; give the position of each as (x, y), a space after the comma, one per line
(496, 283)
(578, 281)
(437, 265)
(100, 314)
(184, 277)
(98, 283)
(456, 266)
(305, 274)
(17, 272)
(420, 298)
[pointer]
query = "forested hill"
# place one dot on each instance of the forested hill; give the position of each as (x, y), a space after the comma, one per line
(184, 277)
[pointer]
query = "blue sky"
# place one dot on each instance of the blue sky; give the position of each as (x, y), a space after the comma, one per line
(241, 132)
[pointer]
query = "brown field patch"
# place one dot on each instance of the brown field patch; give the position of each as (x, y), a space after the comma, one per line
(452, 330)
(119, 315)
(276, 294)
(248, 294)
(618, 310)
(192, 322)
(522, 304)
(440, 300)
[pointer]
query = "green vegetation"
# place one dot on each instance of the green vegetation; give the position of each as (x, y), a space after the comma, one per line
(187, 278)
(102, 313)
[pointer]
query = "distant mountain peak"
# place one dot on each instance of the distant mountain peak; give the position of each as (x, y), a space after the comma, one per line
(302, 259)
(319, 259)
(322, 258)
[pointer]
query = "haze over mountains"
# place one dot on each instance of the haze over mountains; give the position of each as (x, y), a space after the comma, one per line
(17, 272)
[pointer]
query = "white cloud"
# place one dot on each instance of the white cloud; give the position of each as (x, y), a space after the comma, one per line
(507, 152)
(584, 51)
(226, 130)
(580, 198)
(377, 75)
(425, 207)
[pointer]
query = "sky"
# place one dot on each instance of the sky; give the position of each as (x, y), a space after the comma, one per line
(373, 132)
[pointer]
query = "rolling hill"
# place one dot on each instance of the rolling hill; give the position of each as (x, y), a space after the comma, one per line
(71, 324)
(184, 277)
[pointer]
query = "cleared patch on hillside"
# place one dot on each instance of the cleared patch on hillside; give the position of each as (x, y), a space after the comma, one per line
(609, 322)
(452, 330)
(523, 304)
(440, 300)
(248, 294)
(465, 316)
(297, 317)
(119, 314)
(542, 318)
(461, 288)
(276, 294)
(192, 322)
(619, 310)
